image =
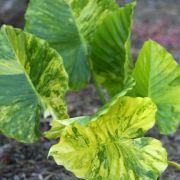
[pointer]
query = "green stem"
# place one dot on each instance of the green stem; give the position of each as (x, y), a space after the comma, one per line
(174, 164)
(99, 91)
(97, 85)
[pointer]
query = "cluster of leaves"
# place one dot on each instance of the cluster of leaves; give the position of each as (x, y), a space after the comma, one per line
(90, 38)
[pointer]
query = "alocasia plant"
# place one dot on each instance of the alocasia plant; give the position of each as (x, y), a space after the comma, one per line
(93, 37)
(32, 79)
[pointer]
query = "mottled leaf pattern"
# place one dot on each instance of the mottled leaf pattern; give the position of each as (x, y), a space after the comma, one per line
(157, 76)
(58, 126)
(32, 78)
(68, 25)
(110, 148)
(111, 51)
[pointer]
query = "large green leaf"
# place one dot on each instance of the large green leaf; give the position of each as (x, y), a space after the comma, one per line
(110, 148)
(68, 25)
(157, 76)
(111, 49)
(32, 78)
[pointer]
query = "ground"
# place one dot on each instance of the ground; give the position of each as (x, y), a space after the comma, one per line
(155, 19)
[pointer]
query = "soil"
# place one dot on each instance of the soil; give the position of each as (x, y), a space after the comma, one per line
(155, 19)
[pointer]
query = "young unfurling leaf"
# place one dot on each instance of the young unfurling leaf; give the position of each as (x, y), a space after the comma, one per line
(32, 77)
(110, 146)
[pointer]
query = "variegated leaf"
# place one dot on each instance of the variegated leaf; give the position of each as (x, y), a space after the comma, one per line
(157, 76)
(58, 126)
(32, 78)
(110, 147)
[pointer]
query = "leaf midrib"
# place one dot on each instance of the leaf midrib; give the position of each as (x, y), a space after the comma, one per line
(22, 67)
(81, 37)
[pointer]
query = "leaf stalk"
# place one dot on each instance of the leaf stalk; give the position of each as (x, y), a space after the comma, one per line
(97, 85)
(174, 164)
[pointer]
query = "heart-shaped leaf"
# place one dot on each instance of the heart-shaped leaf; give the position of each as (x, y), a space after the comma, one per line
(69, 25)
(32, 78)
(157, 76)
(109, 147)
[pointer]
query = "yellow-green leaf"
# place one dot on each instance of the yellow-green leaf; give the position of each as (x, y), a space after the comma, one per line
(157, 76)
(110, 148)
